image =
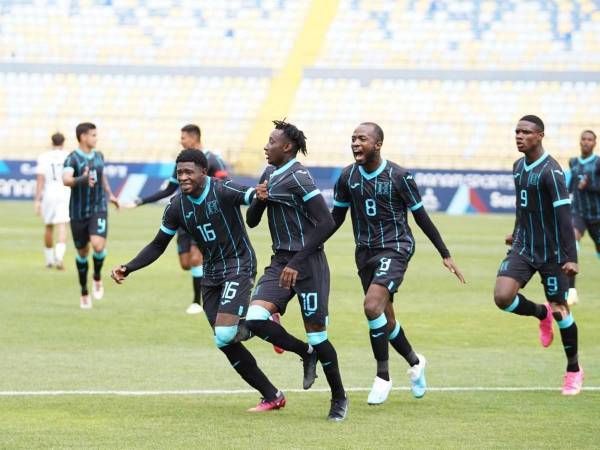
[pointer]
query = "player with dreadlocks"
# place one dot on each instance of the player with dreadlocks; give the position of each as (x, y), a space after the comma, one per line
(299, 223)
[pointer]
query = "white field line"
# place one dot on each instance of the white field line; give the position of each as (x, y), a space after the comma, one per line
(127, 393)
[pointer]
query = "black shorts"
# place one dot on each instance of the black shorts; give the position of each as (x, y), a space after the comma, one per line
(312, 286)
(230, 296)
(381, 266)
(593, 227)
(184, 241)
(556, 283)
(95, 225)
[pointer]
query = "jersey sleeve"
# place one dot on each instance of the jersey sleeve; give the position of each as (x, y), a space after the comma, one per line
(170, 220)
(341, 195)
(70, 165)
(557, 187)
(237, 194)
(302, 185)
(407, 188)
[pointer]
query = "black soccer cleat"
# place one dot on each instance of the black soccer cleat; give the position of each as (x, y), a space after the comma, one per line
(310, 369)
(339, 409)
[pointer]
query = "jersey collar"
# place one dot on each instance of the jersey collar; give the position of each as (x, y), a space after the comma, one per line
(285, 167)
(586, 160)
(535, 163)
(83, 154)
(372, 175)
(199, 200)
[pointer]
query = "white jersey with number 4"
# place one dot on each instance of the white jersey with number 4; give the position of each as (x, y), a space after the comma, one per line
(55, 196)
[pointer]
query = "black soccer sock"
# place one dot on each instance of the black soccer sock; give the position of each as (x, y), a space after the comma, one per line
(378, 335)
(244, 363)
(572, 282)
(328, 358)
(524, 307)
(568, 334)
(197, 272)
(82, 270)
(399, 341)
(98, 263)
(276, 334)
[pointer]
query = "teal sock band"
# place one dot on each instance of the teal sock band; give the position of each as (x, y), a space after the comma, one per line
(566, 322)
(513, 305)
(197, 271)
(81, 259)
(100, 255)
(317, 338)
(256, 312)
(378, 323)
(395, 332)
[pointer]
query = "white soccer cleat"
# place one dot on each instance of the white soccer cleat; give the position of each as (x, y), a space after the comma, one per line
(379, 392)
(416, 375)
(97, 290)
(85, 302)
(194, 308)
(572, 297)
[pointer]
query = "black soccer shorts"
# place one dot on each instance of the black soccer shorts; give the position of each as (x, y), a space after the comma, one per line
(593, 227)
(95, 225)
(381, 266)
(312, 286)
(230, 296)
(184, 241)
(556, 283)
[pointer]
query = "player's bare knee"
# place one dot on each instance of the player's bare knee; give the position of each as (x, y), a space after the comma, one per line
(503, 298)
(559, 311)
(374, 306)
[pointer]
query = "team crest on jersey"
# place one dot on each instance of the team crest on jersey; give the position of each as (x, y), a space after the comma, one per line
(534, 179)
(212, 207)
(383, 188)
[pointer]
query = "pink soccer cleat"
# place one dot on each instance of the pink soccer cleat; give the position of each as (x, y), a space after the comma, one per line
(546, 332)
(573, 381)
(264, 405)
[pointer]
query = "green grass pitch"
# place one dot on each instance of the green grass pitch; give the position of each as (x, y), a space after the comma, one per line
(138, 338)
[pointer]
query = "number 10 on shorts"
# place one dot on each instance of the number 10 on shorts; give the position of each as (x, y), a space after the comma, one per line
(309, 303)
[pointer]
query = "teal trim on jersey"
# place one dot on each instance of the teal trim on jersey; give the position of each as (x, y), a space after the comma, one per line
(83, 154)
(564, 201)
(341, 204)
(317, 338)
(586, 160)
(225, 335)
(377, 323)
(199, 200)
(81, 259)
(598, 255)
(568, 176)
(566, 322)
(167, 230)
(395, 331)
(370, 176)
(390, 286)
(285, 167)
(256, 312)
(174, 180)
(310, 195)
(247, 195)
(534, 164)
(100, 255)
(197, 271)
(513, 305)
(417, 206)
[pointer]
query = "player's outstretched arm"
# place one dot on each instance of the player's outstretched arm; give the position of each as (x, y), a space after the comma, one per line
(144, 258)
(158, 195)
(111, 197)
(424, 222)
(72, 181)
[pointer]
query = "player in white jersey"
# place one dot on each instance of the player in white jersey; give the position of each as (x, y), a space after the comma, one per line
(52, 200)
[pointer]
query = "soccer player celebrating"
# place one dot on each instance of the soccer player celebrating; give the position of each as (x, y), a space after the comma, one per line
(52, 200)
(84, 173)
(209, 210)
(543, 242)
(189, 255)
(299, 223)
(379, 194)
(584, 184)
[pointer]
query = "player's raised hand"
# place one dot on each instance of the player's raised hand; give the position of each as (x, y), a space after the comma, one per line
(570, 269)
(118, 273)
(288, 278)
(452, 267)
(508, 240)
(262, 192)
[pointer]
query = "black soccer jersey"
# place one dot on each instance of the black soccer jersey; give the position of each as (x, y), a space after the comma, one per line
(586, 202)
(540, 190)
(86, 201)
(289, 188)
(215, 222)
(379, 202)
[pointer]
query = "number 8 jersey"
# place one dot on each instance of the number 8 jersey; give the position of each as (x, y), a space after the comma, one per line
(540, 191)
(215, 222)
(379, 202)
